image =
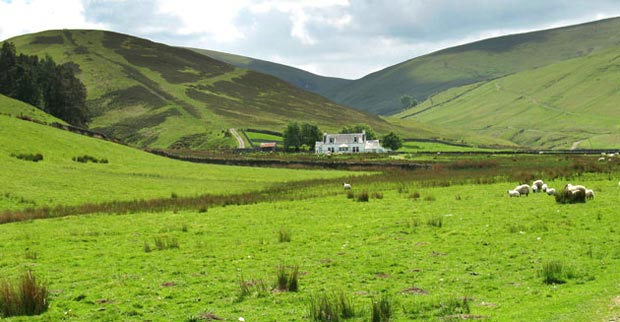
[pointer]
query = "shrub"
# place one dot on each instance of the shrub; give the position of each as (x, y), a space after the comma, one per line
(363, 196)
(381, 309)
(88, 158)
(29, 297)
(29, 157)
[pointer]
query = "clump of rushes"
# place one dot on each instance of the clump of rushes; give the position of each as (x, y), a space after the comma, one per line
(28, 297)
(284, 235)
(334, 307)
(363, 196)
(381, 309)
(287, 280)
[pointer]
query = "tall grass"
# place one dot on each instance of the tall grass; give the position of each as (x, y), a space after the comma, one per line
(28, 297)
(287, 278)
(553, 272)
(326, 307)
(382, 309)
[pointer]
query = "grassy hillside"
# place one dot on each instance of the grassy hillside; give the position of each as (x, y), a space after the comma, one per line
(571, 104)
(12, 107)
(298, 77)
(424, 76)
(150, 94)
(129, 174)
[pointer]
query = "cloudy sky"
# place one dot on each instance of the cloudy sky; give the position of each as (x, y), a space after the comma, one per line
(340, 38)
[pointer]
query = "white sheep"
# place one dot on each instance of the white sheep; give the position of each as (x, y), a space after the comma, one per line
(513, 193)
(534, 188)
(538, 184)
(545, 187)
(347, 186)
(589, 194)
(523, 189)
(550, 191)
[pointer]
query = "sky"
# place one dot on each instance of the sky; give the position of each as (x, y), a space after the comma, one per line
(338, 38)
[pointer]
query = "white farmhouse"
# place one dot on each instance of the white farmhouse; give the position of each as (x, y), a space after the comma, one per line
(348, 143)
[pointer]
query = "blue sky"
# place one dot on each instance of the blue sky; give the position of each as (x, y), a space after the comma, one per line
(340, 38)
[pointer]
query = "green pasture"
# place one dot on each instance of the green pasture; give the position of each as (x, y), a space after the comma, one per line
(263, 137)
(449, 244)
(12, 107)
(130, 174)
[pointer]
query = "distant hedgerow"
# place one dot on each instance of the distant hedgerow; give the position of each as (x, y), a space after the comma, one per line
(88, 158)
(34, 157)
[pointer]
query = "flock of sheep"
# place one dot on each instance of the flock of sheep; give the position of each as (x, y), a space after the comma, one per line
(540, 186)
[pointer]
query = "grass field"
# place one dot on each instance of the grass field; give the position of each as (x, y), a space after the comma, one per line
(130, 174)
(456, 252)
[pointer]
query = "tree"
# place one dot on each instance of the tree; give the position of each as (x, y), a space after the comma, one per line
(67, 97)
(407, 101)
(392, 141)
(291, 137)
(358, 128)
(295, 136)
(310, 134)
(8, 62)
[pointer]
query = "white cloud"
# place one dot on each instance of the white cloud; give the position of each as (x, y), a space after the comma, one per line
(197, 17)
(19, 17)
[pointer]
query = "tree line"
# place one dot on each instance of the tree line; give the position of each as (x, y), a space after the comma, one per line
(50, 87)
(303, 137)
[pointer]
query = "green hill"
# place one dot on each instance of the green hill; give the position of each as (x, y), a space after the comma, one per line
(151, 94)
(424, 76)
(570, 104)
(298, 77)
(128, 173)
(12, 107)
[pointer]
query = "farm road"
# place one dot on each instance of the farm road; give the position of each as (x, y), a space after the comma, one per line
(238, 137)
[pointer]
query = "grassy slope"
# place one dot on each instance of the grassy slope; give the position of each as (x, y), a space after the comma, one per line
(150, 94)
(12, 107)
(130, 174)
(553, 106)
(423, 76)
(489, 250)
(298, 77)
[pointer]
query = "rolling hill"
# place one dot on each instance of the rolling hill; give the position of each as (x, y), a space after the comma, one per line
(424, 76)
(151, 94)
(569, 104)
(298, 77)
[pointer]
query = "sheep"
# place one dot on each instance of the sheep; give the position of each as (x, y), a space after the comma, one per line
(523, 189)
(545, 187)
(550, 191)
(538, 183)
(534, 188)
(347, 186)
(589, 194)
(513, 193)
(574, 188)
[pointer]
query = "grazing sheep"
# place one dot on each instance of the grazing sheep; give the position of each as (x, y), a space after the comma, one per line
(523, 189)
(545, 187)
(538, 184)
(575, 188)
(347, 186)
(513, 193)
(589, 194)
(601, 159)
(534, 188)
(550, 191)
